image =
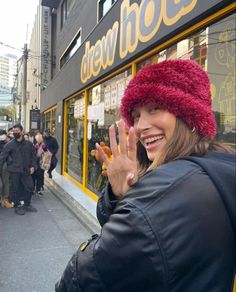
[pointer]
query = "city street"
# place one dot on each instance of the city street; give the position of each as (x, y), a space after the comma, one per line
(35, 248)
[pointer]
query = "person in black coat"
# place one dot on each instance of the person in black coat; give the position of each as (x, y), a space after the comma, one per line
(51, 145)
(168, 215)
(21, 163)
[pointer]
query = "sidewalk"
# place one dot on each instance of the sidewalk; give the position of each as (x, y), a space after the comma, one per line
(83, 207)
(35, 248)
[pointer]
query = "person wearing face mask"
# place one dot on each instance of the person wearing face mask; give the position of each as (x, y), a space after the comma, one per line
(4, 178)
(21, 163)
(168, 215)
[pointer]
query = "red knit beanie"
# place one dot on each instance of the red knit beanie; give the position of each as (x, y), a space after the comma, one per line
(181, 87)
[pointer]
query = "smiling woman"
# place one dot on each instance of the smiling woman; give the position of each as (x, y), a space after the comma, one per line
(166, 194)
(154, 128)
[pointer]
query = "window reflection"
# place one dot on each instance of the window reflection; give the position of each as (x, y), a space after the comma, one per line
(75, 137)
(47, 120)
(53, 123)
(103, 111)
(214, 49)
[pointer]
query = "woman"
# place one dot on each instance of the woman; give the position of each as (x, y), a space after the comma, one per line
(168, 215)
(26, 137)
(38, 176)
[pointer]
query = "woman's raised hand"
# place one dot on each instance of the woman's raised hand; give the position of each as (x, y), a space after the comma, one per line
(122, 169)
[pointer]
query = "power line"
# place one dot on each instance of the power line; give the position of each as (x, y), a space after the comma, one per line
(8, 46)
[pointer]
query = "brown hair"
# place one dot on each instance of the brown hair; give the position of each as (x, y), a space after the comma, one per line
(184, 142)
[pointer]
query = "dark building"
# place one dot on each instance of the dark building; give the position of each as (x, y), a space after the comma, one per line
(91, 49)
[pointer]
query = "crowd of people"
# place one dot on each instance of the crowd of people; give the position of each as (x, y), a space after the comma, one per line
(21, 166)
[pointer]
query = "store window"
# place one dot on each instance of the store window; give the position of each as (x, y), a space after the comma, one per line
(103, 111)
(49, 120)
(75, 109)
(214, 49)
(53, 121)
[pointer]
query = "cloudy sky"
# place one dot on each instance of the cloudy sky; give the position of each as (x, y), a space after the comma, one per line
(15, 17)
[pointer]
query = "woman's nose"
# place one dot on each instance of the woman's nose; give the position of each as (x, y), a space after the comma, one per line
(142, 123)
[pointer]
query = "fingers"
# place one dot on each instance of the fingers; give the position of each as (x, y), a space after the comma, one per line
(122, 137)
(132, 148)
(127, 145)
(113, 142)
(103, 156)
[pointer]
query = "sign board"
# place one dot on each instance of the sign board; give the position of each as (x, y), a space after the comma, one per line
(35, 118)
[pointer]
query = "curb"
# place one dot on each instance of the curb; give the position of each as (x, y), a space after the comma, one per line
(77, 209)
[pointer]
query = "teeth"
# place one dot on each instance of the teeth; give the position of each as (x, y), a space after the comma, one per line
(152, 139)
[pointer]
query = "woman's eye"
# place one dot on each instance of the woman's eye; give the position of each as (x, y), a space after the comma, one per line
(154, 109)
(135, 117)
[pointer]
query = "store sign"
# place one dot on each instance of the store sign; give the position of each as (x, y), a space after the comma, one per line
(138, 24)
(35, 118)
(46, 45)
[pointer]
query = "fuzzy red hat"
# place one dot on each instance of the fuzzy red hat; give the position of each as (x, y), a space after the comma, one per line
(181, 87)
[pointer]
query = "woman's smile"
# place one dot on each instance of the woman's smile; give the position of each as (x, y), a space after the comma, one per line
(154, 127)
(150, 143)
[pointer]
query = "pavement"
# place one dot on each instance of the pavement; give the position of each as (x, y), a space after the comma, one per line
(79, 203)
(35, 247)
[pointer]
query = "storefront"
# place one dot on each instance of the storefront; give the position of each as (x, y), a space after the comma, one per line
(49, 119)
(143, 34)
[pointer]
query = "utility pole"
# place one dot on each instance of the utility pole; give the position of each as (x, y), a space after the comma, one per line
(24, 89)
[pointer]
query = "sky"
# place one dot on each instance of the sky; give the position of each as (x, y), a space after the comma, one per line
(15, 17)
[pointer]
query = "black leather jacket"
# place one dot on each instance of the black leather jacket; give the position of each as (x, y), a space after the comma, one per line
(173, 231)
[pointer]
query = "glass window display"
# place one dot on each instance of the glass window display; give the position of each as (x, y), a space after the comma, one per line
(47, 120)
(75, 137)
(214, 49)
(103, 110)
(53, 123)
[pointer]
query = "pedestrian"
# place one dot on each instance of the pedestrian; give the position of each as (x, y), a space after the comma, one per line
(27, 137)
(168, 215)
(10, 133)
(52, 145)
(38, 175)
(21, 163)
(33, 135)
(4, 178)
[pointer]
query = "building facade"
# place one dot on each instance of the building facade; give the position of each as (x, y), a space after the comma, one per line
(8, 70)
(94, 49)
(34, 56)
